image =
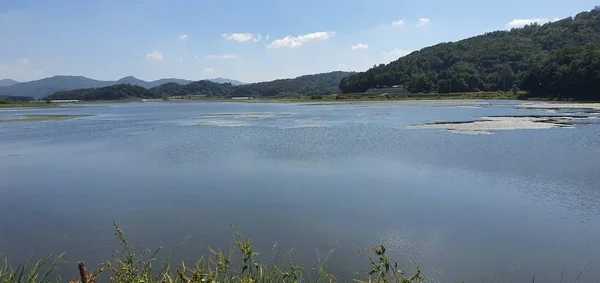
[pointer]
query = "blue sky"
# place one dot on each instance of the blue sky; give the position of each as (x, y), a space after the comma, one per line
(247, 40)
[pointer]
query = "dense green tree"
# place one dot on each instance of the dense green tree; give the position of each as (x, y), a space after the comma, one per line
(572, 72)
(121, 91)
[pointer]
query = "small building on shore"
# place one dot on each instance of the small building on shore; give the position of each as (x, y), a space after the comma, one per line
(242, 98)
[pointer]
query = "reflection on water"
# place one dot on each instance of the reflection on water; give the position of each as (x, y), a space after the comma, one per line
(316, 178)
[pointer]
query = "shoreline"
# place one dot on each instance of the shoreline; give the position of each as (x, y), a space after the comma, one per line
(527, 103)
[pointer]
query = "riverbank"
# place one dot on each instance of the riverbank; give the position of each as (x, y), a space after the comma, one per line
(12, 105)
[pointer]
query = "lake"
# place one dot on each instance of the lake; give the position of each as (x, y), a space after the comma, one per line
(502, 206)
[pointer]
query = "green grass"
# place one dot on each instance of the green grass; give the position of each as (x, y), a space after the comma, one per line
(39, 271)
(239, 263)
(40, 118)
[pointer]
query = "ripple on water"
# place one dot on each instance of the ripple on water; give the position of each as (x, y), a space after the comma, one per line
(221, 123)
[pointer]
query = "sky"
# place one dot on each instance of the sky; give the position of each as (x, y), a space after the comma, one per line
(246, 40)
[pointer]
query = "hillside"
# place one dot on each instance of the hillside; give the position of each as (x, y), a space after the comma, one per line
(204, 87)
(114, 92)
(559, 59)
(8, 82)
(319, 84)
(308, 85)
(226, 81)
(135, 81)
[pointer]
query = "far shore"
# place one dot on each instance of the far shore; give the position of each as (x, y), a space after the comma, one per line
(528, 103)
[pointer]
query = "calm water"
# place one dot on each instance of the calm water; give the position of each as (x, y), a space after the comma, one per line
(499, 207)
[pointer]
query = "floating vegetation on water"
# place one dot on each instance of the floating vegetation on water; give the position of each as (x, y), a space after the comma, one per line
(41, 118)
(233, 119)
(309, 124)
(486, 125)
(239, 116)
(297, 124)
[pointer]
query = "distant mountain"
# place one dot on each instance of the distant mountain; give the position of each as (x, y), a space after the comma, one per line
(226, 81)
(8, 82)
(309, 85)
(132, 81)
(170, 80)
(47, 86)
(135, 81)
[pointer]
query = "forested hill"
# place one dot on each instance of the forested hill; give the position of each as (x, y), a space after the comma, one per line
(114, 92)
(559, 59)
(310, 85)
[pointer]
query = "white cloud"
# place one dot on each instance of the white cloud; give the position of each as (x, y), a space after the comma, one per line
(242, 37)
(398, 23)
(341, 66)
(222, 57)
(360, 46)
(267, 37)
(395, 54)
(197, 57)
(297, 41)
(209, 70)
(23, 61)
(155, 55)
(519, 23)
(183, 36)
(423, 22)
(39, 72)
(3, 67)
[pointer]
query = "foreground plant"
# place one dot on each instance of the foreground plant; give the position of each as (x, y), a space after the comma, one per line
(40, 271)
(238, 264)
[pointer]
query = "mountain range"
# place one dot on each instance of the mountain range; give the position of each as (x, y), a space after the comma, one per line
(44, 87)
(317, 85)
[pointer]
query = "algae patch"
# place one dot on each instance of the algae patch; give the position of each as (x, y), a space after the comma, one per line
(487, 125)
(239, 116)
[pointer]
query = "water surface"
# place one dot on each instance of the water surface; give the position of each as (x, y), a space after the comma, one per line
(342, 177)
